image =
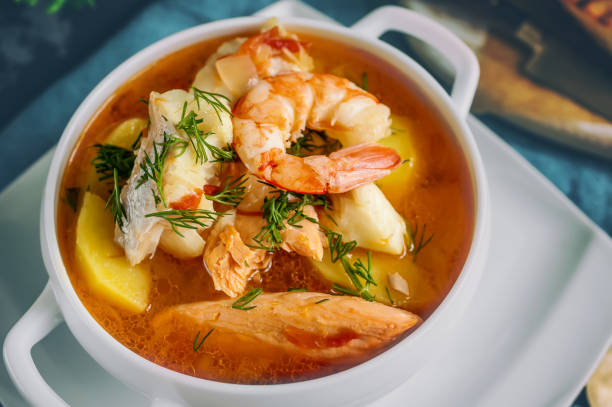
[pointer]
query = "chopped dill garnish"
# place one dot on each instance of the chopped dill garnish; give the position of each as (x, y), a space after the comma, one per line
(196, 345)
(338, 249)
(186, 218)
(407, 160)
(389, 296)
(136, 143)
(314, 142)
(232, 192)
(71, 197)
(114, 204)
(364, 81)
(297, 289)
(110, 157)
(146, 102)
(213, 100)
(153, 169)
(189, 124)
(321, 301)
(417, 242)
(242, 302)
(277, 209)
(355, 273)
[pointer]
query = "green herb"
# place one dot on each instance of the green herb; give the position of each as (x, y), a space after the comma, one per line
(389, 296)
(417, 242)
(110, 157)
(364, 81)
(321, 301)
(338, 249)
(214, 100)
(298, 289)
(314, 142)
(357, 272)
(146, 102)
(407, 160)
(114, 204)
(136, 143)
(232, 192)
(186, 218)
(57, 5)
(71, 197)
(277, 209)
(189, 124)
(196, 345)
(243, 301)
(153, 169)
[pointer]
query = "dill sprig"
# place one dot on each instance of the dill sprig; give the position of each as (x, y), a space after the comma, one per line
(313, 142)
(186, 218)
(196, 345)
(364, 81)
(281, 207)
(389, 296)
(297, 289)
(110, 157)
(153, 169)
(114, 204)
(356, 272)
(189, 124)
(214, 100)
(232, 192)
(322, 301)
(71, 197)
(242, 302)
(337, 248)
(417, 241)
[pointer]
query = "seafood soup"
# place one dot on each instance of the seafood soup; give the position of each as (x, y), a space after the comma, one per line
(266, 208)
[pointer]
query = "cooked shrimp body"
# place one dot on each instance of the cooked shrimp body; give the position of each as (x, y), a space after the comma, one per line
(237, 64)
(276, 111)
(318, 325)
(182, 180)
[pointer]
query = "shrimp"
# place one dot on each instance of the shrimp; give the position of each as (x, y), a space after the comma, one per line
(276, 111)
(316, 325)
(238, 64)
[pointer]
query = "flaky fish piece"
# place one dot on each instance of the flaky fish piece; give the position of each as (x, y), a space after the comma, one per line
(139, 235)
(316, 325)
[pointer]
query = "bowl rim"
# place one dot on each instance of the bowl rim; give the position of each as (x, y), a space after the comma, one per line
(424, 83)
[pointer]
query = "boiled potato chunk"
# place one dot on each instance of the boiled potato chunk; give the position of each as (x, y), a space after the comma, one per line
(402, 178)
(106, 270)
(421, 290)
(126, 133)
(366, 216)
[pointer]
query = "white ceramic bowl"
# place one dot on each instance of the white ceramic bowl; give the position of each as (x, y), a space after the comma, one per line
(355, 386)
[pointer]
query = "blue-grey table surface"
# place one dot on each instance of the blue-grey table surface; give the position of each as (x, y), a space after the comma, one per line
(49, 63)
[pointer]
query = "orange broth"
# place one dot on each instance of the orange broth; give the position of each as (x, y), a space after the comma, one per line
(438, 194)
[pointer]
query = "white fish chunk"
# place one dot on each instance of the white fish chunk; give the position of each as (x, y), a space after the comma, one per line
(365, 215)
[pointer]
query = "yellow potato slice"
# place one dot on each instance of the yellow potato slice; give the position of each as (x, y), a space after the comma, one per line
(382, 265)
(599, 386)
(124, 136)
(394, 185)
(106, 270)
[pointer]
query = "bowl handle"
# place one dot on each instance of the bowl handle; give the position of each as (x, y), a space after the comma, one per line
(42, 317)
(393, 18)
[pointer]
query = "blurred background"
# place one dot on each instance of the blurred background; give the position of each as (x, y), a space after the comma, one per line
(545, 87)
